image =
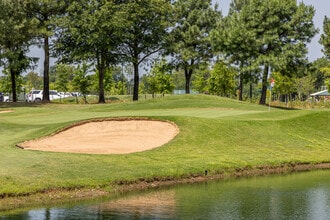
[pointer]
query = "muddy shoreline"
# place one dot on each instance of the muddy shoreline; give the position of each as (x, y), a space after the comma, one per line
(74, 195)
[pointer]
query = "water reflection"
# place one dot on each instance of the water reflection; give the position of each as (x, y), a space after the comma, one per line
(160, 204)
(297, 196)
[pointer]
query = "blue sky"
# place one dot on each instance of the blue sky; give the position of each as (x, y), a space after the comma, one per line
(322, 8)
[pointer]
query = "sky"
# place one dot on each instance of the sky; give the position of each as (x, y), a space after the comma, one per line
(322, 8)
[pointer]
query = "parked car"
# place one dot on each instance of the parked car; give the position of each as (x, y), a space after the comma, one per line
(6, 98)
(37, 95)
(65, 94)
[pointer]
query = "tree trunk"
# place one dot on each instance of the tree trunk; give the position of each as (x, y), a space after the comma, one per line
(13, 84)
(136, 81)
(101, 68)
(264, 86)
(240, 87)
(45, 97)
(251, 89)
(188, 74)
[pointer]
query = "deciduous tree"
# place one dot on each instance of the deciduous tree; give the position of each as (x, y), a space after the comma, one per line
(17, 29)
(147, 24)
(222, 80)
(90, 32)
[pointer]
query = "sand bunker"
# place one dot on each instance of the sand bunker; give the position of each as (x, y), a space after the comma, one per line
(6, 111)
(108, 137)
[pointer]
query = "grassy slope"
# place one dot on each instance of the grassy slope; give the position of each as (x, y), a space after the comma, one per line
(216, 134)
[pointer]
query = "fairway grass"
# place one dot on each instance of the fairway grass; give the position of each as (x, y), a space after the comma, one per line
(216, 136)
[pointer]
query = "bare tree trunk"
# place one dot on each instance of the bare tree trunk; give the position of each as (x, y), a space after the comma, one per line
(13, 84)
(188, 74)
(136, 81)
(45, 97)
(101, 69)
(264, 86)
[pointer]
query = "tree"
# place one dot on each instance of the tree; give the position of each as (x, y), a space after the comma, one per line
(200, 81)
(179, 79)
(235, 41)
(164, 80)
(150, 84)
(147, 24)
(325, 37)
(91, 31)
(64, 76)
(222, 80)
(17, 30)
(46, 11)
(109, 82)
(33, 80)
(276, 33)
(159, 80)
(189, 44)
(303, 86)
(326, 72)
(284, 85)
(82, 81)
(318, 75)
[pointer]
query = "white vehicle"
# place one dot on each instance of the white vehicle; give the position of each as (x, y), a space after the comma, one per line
(3, 97)
(37, 95)
(6, 98)
(65, 94)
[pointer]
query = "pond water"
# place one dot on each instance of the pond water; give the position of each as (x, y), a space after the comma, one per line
(294, 196)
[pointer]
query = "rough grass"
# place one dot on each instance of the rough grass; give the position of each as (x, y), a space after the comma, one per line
(216, 134)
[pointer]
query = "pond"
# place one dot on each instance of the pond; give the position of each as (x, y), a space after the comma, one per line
(294, 196)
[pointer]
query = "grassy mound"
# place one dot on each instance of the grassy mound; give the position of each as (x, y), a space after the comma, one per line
(216, 135)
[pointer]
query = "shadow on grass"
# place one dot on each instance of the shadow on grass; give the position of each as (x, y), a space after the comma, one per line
(284, 108)
(19, 104)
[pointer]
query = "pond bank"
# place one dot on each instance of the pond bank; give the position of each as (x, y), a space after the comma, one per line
(60, 196)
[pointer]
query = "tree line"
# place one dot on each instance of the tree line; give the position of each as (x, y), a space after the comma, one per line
(216, 54)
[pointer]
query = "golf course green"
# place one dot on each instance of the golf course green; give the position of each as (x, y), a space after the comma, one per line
(218, 136)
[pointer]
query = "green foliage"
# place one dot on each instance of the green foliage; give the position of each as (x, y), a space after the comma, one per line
(326, 72)
(160, 79)
(46, 12)
(304, 86)
(200, 81)
(325, 37)
(222, 80)
(64, 77)
(147, 23)
(316, 72)
(283, 84)
(178, 79)
(33, 81)
(91, 32)
(81, 80)
(17, 29)
(271, 33)
(189, 42)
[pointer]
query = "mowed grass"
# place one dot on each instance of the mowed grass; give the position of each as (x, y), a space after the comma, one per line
(216, 134)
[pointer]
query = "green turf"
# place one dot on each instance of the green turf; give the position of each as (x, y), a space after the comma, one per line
(216, 134)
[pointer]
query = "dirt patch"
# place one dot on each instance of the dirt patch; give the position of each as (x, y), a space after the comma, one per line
(6, 111)
(107, 137)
